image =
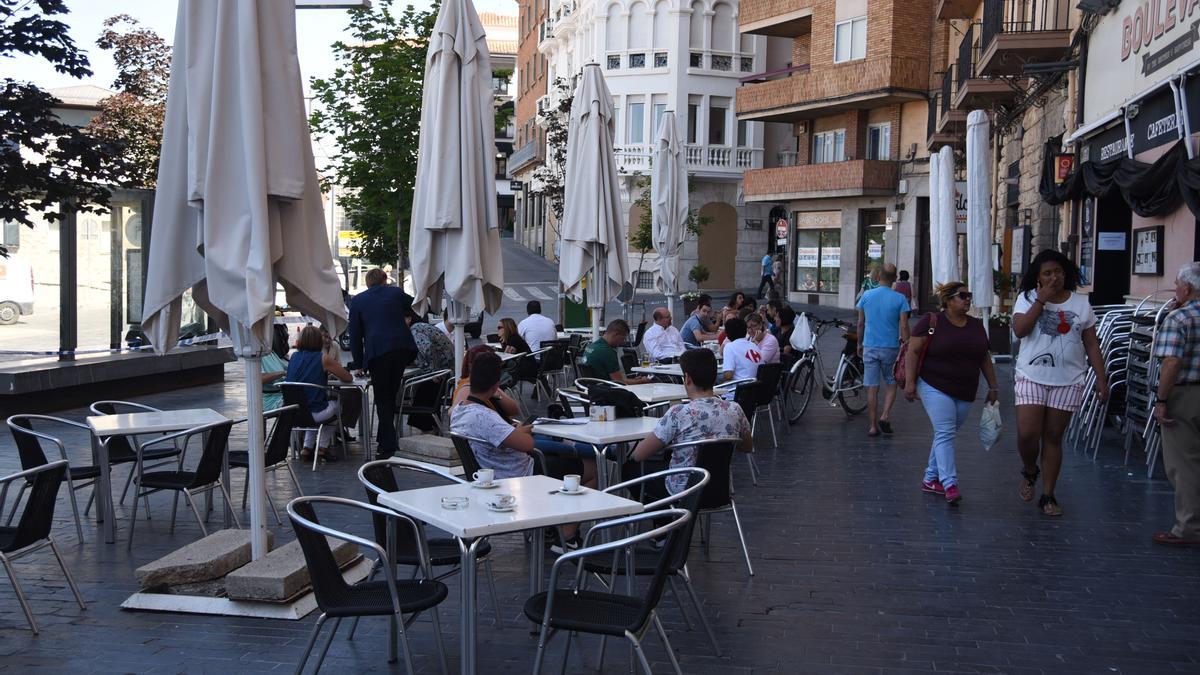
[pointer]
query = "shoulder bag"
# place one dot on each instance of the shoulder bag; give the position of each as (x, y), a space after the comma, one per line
(899, 370)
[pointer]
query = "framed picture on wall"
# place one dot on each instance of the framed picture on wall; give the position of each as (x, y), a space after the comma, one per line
(1148, 251)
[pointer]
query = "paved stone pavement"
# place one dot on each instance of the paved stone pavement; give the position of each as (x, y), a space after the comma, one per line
(856, 571)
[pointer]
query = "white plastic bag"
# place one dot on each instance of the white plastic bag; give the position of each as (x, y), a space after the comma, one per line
(802, 337)
(990, 425)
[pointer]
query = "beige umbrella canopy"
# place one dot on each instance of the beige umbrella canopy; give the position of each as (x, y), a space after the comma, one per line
(237, 207)
(668, 204)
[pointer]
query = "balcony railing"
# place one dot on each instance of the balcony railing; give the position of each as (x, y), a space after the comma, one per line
(774, 74)
(1023, 16)
(964, 67)
(931, 126)
(637, 157)
(805, 181)
(524, 155)
(947, 89)
(787, 158)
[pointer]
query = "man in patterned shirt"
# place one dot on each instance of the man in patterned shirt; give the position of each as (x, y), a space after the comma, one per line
(704, 417)
(1177, 406)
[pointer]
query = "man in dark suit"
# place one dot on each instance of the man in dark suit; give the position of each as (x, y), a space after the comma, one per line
(377, 328)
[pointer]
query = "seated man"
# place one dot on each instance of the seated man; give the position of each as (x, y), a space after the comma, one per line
(601, 356)
(662, 340)
(740, 357)
(704, 417)
(698, 327)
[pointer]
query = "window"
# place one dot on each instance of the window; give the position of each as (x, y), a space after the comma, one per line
(743, 133)
(614, 62)
(658, 110)
(693, 121)
(716, 124)
(645, 280)
(637, 60)
(720, 62)
(829, 146)
(879, 141)
(501, 165)
(660, 60)
(850, 40)
(636, 121)
(747, 64)
(696, 60)
(12, 235)
(818, 260)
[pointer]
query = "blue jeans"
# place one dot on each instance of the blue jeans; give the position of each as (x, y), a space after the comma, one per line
(550, 446)
(947, 416)
(878, 363)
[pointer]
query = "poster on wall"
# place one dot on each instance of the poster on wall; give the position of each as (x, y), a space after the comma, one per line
(1087, 233)
(1148, 251)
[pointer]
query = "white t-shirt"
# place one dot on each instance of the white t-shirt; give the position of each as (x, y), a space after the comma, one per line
(1053, 353)
(536, 329)
(478, 421)
(741, 357)
(661, 343)
(769, 348)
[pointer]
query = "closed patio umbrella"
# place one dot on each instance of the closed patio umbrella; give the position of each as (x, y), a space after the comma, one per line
(593, 229)
(944, 237)
(454, 243)
(237, 207)
(979, 222)
(668, 205)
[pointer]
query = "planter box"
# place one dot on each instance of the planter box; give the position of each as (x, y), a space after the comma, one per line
(1000, 339)
(689, 306)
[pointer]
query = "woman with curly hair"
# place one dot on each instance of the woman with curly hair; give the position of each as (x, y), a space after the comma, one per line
(1057, 330)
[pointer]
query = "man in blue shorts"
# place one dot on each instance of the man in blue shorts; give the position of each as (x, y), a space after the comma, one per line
(882, 326)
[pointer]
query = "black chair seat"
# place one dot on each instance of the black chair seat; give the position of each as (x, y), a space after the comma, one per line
(169, 480)
(371, 598)
(8, 535)
(645, 561)
(83, 472)
(588, 611)
(442, 552)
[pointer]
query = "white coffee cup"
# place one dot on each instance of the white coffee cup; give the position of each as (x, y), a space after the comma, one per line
(571, 482)
(484, 476)
(504, 501)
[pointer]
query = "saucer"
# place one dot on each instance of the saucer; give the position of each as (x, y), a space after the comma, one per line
(484, 486)
(501, 509)
(564, 491)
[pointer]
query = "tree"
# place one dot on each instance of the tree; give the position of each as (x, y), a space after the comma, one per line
(43, 161)
(550, 179)
(641, 238)
(133, 117)
(371, 108)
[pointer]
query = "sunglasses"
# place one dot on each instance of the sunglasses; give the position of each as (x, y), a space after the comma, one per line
(964, 295)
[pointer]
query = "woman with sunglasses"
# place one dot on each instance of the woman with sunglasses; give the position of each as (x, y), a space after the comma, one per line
(946, 379)
(1057, 330)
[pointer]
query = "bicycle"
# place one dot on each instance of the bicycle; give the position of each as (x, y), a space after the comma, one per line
(846, 383)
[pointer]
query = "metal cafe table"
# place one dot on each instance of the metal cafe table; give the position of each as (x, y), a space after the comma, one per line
(104, 427)
(536, 507)
(601, 435)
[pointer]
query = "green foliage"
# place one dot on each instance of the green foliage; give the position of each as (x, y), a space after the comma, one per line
(371, 108)
(698, 274)
(550, 179)
(61, 163)
(642, 237)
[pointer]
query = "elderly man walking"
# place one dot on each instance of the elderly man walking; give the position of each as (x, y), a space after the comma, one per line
(882, 326)
(1177, 406)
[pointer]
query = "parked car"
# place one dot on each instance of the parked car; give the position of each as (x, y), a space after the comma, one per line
(16, 290)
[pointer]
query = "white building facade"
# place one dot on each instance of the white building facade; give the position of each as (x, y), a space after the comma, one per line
(688, 57)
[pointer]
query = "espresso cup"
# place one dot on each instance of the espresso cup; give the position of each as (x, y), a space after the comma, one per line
(504, 501)
(484, 476)
(571, 482)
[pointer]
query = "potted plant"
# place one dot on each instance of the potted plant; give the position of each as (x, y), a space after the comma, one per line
(698, 274)
(999, 337)
(690, 300)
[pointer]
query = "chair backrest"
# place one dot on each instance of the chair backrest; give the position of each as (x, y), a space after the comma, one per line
(769, 374)
(589, 373)
(208, 471)
(327, 582)
(687, 499)
(379, 477)
(29, 446)
(554, 359)
(280, 440)
(641, 332)
(38, 516)
(715, 457)
(466, 455)
(629, 360)
(749, 396)
(294, 394)
(569, 401)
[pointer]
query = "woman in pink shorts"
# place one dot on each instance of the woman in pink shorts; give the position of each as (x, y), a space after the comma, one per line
(1058, 342)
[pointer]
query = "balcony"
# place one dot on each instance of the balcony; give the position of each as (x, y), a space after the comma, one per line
(947, 115)
(524, 156)
(762, 17)
(939, 132)
(699, 158)
(1019, 32)
(833, 88)
(971, 90)
(546, 34)
(957, 9)
(854, 178)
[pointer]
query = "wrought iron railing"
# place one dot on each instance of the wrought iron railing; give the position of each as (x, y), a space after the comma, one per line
(1023, 16)
(931, 128)
(964, 67)
(947, 88)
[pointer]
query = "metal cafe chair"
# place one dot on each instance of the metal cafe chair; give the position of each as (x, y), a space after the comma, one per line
(715, 456)
(276, 452)
(29, 449)
(121, 448)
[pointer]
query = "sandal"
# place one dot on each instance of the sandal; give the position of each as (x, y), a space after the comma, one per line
(1029, 482)
(1049, 506)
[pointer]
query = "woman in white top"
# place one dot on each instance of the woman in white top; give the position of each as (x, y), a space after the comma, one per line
(1058, 342)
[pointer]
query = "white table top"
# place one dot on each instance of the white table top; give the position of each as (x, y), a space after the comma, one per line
(536, 507)
(658, 392)
(664, 369)
(602, 433)
(152, 422)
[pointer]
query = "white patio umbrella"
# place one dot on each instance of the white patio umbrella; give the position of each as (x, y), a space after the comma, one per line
(979, 222)
(593, 229)
(454, 243)
(944, 238)
(237, 207)
(935, 215)
(668, 205)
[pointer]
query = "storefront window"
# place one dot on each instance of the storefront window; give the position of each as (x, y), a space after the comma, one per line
(818, 260)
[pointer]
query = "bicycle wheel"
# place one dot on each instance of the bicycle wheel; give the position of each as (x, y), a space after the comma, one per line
(854, 395)
(799, 391)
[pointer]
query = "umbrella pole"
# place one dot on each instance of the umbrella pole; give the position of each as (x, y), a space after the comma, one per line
(254, 445)
(599, 280)
(671, 306)
(460, 348)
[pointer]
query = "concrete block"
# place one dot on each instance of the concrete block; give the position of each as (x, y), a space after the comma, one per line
(282, 574)
(209, 558)
(437, 450)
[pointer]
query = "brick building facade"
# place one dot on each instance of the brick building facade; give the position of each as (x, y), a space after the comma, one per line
(529, 145)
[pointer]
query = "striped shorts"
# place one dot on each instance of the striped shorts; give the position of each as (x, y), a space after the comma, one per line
(1067, 397)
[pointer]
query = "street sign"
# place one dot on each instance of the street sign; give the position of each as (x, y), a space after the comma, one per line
(348, 242)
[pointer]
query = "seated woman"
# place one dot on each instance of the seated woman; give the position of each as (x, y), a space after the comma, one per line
(273, 369)
(312, 365)
(511, 342)
(507, 408)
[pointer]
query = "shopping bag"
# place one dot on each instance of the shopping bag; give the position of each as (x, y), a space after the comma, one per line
(802, 338)
(990, 425)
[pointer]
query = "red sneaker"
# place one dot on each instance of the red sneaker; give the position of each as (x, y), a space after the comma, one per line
(933, 487)
(952, 495)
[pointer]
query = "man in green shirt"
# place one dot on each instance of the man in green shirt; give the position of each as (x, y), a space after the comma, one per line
(601, 355)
